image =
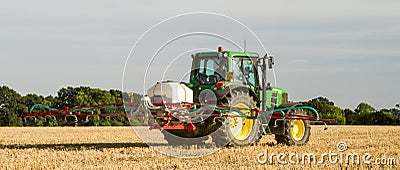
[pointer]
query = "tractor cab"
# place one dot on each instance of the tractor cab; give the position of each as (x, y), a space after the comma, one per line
(215, 70)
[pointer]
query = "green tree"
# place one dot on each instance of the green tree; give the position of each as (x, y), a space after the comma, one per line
(105, 121)
(31, 99)
(94, 121)
(14, 120)
(383, 117)
(101, 97)
(116, 95)
(40, 121)
(364, 108)
(11, 107)
(83, 99)
(50, 101)
(327, 109)
(66, 97)
(51, 121)
(364, 114)
(350, 116)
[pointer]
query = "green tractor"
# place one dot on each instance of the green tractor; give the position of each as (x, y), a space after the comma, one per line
(226, 100)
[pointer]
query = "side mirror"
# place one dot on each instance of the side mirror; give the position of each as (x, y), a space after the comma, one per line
(271, 62)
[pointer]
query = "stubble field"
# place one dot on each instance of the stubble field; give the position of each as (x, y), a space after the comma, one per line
(120, 148)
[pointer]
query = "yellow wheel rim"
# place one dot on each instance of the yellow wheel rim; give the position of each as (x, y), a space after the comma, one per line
(239, 126)
(298, 129)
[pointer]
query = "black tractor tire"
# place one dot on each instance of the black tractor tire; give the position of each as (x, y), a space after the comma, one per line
(296, 132)
(224, 136)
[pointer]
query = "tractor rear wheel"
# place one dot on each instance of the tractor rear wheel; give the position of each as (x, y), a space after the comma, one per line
(237, 130)
(296, 132)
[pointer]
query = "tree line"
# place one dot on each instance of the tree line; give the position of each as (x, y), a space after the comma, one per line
(13, 105)
(363, 114)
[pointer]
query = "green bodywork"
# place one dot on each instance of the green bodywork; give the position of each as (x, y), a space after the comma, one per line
(281, 97)
(204, 64)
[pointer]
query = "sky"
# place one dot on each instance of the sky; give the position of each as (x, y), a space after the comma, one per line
(346, 51)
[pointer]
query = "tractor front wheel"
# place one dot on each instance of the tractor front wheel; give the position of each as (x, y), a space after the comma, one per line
(296, 132)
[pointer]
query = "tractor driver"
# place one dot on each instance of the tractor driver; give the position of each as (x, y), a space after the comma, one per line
(221, 70)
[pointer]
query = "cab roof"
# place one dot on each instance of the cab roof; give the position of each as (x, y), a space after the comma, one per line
(230, 53)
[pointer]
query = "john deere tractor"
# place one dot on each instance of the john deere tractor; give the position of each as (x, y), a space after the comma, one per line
(226, 100)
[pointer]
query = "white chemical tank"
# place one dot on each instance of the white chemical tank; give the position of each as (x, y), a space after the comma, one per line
(170, 92)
